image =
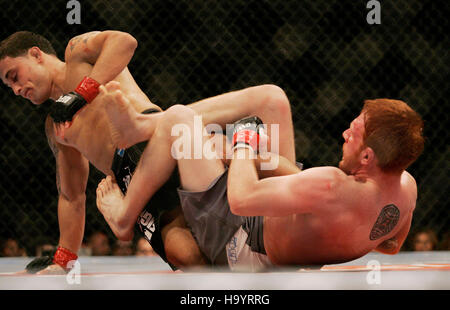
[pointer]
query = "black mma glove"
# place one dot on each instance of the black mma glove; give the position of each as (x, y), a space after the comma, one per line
(40, 263)
(61, 256)
(64, 109)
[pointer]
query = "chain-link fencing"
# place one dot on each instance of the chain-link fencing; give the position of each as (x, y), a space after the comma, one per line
(324, 54)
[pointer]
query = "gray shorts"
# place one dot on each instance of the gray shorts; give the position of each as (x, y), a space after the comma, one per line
(208, 215)
(213, 225)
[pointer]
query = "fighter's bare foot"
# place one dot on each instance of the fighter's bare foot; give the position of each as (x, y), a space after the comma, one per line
(124, 124)
(110, 201)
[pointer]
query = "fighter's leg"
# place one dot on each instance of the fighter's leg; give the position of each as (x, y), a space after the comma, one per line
(198, 162)
(128, 126)
(196, 174)
(197, 170)
(154, 169)
(157, 163)
(180, 246)
(269, 102)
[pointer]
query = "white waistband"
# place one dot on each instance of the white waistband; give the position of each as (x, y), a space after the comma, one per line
(241, 257)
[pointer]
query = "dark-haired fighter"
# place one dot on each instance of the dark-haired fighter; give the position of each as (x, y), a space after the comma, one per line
(78, 132)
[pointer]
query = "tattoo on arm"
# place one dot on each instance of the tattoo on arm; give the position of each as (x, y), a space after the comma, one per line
(78, 39)
(74, 42)
(386, 222)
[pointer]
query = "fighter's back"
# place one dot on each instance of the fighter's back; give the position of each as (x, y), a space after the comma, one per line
(359, 219)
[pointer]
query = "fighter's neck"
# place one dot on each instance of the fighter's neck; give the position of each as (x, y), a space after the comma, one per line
(58, 76)
(383, 179)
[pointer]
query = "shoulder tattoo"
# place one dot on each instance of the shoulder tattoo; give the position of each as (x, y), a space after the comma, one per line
(386, 222)
(74, 42)
(81, 38)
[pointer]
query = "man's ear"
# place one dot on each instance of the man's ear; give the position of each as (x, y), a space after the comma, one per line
(35, 53)
(367, 156)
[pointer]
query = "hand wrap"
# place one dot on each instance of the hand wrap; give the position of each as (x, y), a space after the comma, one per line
(246, 133)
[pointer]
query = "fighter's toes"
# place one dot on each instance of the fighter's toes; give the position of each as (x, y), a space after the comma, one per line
(101, 188)
(108, 183)
(120, 99)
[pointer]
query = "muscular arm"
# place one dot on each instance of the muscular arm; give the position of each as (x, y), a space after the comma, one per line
(101, 56)
(109, 52)
(313, 190)
(72, 171)
(284, 167)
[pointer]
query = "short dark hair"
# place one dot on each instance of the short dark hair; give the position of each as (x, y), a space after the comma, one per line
(20, 42)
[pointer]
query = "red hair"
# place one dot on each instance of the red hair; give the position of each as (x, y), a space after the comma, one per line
(394, 131)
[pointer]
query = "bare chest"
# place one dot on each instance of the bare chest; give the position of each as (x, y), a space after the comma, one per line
(90, 135)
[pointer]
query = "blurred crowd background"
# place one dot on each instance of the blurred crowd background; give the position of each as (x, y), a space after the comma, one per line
(323, 53)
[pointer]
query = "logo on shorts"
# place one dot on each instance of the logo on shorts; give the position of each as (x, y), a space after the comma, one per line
(127, 179)
(146, 223)
(231, 251)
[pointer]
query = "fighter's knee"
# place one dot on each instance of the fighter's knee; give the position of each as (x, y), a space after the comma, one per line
(178, 114)
(185, 259)
(189, 256)
(272, 97)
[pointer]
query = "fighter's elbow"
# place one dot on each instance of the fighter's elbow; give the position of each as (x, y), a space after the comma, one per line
(238, 204)
(389, 246)
(235, 203)
(245, 204)
(131, 42)
(395, 251)
(124, 39)
(388, 252)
